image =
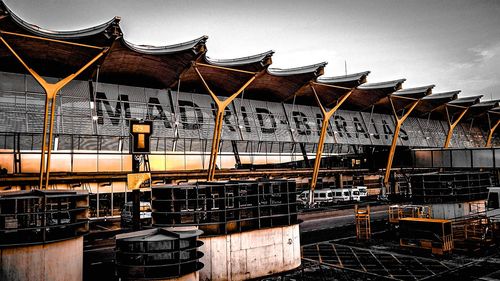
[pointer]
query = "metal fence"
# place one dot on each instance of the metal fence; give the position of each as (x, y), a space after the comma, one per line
(226, 207)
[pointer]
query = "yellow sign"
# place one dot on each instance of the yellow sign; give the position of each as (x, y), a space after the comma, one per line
(134, 181)
(141, 128)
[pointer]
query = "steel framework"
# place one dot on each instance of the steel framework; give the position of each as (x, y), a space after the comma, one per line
(51, 90)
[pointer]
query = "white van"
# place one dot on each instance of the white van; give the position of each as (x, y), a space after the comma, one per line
(341, 195)
(345, 195)
(363, 191)
(321, 196)
(355, 194)
(302, 197)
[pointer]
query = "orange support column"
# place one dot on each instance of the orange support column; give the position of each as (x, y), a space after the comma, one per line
(399, 123)
(453, 124)
(51, 90)
(490, 134)
(219, 117)
(327, 114)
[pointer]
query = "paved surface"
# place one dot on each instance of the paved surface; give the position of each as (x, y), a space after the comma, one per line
(317, 226)
(336, 219)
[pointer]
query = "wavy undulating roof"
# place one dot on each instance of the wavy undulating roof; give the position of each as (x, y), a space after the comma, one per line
(330, 89)
(166, 50)
(486, 104)
(316, 69)
(166, 66)
(282, 84)
(125, 62)
(432, 102)
(482, 108)
(249, 63)
(454, 107)
(224, 76)
(443, 97)
(465, 101)
(61, 35)
(143, 65)
(495, 109)
(349, 80)
(149, 66)
(369, 94)
(414, 93)
(393, 84)
(403, 98)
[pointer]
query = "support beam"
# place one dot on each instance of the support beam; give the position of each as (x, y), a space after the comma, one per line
(491, 133)
(219, 116)
(236, 153)
(452, 124)
(327, 114)
(399, 123)
(50, 40)
(304, 155)
(51, 90)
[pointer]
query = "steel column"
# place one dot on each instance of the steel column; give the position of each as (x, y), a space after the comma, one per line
(327, 114)
(452, 125)
(490, 134)
(399, 123)
(51, 90)
(219, 117)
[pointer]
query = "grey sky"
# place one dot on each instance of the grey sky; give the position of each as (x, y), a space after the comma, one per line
(454, 44)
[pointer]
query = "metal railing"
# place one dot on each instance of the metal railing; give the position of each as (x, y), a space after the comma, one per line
(37, 217)
(226, 207)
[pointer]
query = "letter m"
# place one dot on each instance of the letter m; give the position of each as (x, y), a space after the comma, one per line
(115, 115)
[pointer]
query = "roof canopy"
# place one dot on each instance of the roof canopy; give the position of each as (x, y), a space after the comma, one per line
(454, 107)
(431, 102)
(330, 89)
(125, 63)
(482, 108)
(60, 53)
(402, 98)
(224, 77)
(282, 84)
(367, 95)
(465, 101)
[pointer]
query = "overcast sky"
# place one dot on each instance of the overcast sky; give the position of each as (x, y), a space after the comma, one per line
(454, 44)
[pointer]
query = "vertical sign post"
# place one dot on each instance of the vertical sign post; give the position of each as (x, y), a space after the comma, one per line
(140, 133)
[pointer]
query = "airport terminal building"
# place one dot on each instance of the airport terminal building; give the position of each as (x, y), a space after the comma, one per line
(68, 99)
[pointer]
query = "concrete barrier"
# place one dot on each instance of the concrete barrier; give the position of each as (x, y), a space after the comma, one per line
(250, 254)
(57, 261)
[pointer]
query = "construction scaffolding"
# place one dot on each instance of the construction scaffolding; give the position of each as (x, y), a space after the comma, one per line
(362, 217)
(397, 212)
(473, 233)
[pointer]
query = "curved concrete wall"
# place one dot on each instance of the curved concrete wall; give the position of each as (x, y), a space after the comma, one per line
(451, 211)
(251, 254)
(56, 261)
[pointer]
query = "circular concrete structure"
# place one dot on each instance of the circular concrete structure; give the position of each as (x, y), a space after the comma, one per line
(41, 235)
(57, 261)
(250, 227)
(250, 254)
